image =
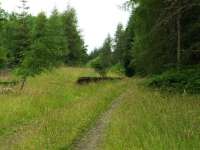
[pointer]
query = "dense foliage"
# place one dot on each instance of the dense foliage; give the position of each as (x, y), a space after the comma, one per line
(160, 36)
(166, 35)
(32, 44)
(186, 80)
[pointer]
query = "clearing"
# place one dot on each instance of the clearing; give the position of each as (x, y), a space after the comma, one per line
(54, 113)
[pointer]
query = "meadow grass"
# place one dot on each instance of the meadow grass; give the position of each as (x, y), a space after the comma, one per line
(52, 111)
(150, 120)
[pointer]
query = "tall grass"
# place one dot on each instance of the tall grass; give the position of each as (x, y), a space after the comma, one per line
(149, 120)
(53, 111)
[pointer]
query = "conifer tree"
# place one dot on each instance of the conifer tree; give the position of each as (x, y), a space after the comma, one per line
(77, 50)
(48, 46)
(22, 37)
(57, 43)
(104, 61)
(3, 50)
(106, 52)
(128, 57)
(39, 57)
(119, 45)
(164, 34)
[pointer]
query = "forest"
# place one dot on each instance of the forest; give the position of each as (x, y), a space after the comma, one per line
(166, 45)
(32, 44)
(141, 87)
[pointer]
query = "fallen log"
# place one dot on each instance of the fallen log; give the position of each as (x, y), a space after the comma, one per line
(87, 80)
(8, 83)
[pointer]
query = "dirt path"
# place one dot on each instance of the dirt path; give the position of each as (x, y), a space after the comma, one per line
(94, 137)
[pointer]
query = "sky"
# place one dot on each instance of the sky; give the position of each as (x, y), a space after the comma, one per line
(97, 18)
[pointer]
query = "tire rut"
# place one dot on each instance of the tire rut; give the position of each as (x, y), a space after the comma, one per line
(93, 138)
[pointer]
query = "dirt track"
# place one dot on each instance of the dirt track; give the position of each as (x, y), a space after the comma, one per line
(93, 138)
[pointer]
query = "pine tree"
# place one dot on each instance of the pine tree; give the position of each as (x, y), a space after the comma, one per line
(104, 61)
(56, 37)
(39, 57)
(3, 50)
(128, 57)
(106, 52)
(162, 34)
(94, 54)
(22, 37)
(48, 46)
(77, 50)
(119, 45)
(10, 35)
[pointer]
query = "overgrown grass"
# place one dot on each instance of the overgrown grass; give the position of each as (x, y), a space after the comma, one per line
(149, 120)
(53, 111)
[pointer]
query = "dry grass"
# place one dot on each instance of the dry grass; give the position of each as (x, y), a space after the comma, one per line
(53, 111)
(150, 120)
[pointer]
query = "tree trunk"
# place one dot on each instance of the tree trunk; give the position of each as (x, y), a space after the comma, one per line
(179, 41)
(23, 83)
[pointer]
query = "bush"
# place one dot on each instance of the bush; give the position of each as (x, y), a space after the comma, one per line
(187, 79)
(99, 66)
(118, 69)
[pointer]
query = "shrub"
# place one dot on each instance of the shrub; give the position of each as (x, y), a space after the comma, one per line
(187, 79)
(99, 66)
(118, 68)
